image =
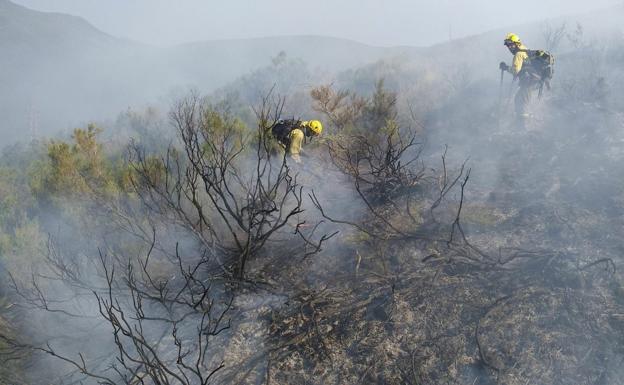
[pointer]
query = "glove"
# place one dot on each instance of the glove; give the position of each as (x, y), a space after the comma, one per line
(503, 66)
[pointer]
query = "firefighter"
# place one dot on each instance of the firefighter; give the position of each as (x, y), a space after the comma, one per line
(528, 79)
(291, 134)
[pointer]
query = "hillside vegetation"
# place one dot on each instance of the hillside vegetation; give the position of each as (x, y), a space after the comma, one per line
(424, 240)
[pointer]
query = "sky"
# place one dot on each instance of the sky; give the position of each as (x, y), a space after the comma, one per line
(375, 22)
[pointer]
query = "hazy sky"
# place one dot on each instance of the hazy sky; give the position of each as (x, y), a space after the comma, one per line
(377, 22)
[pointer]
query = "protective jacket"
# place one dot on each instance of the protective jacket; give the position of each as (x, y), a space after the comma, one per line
(290, 134)
(520, 61)
(522, 69)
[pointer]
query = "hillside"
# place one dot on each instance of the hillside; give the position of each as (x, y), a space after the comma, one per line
(61, 71)
(428, 236)
(384, 274)
(56, 68)
(58, 71)
(214, 63)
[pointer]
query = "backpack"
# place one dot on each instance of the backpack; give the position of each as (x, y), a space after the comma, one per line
(542, 64)
(282, 128)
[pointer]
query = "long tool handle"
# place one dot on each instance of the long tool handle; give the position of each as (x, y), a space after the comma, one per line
(500, 100)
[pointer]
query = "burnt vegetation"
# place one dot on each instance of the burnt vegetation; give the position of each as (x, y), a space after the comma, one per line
(389, 257)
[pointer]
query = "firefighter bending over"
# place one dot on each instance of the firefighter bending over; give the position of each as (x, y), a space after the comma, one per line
(291, 134)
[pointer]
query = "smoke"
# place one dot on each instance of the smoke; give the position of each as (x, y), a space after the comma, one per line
(491, 255)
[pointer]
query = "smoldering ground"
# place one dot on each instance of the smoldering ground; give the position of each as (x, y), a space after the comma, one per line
(503, 271)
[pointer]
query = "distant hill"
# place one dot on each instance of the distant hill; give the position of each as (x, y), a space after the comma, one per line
(59, 70)
(55, 65)
(213, 63)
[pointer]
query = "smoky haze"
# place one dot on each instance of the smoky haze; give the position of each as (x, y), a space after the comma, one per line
(376, 22)
(427, 237)
(63, 71)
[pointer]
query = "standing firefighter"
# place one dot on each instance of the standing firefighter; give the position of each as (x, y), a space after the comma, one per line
(533, 69)
(291, 134)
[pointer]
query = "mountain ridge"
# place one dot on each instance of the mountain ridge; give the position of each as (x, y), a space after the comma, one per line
(64, 71)
(67, 71)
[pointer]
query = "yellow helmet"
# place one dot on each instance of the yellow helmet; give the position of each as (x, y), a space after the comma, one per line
(315, 127)
(512, 38)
